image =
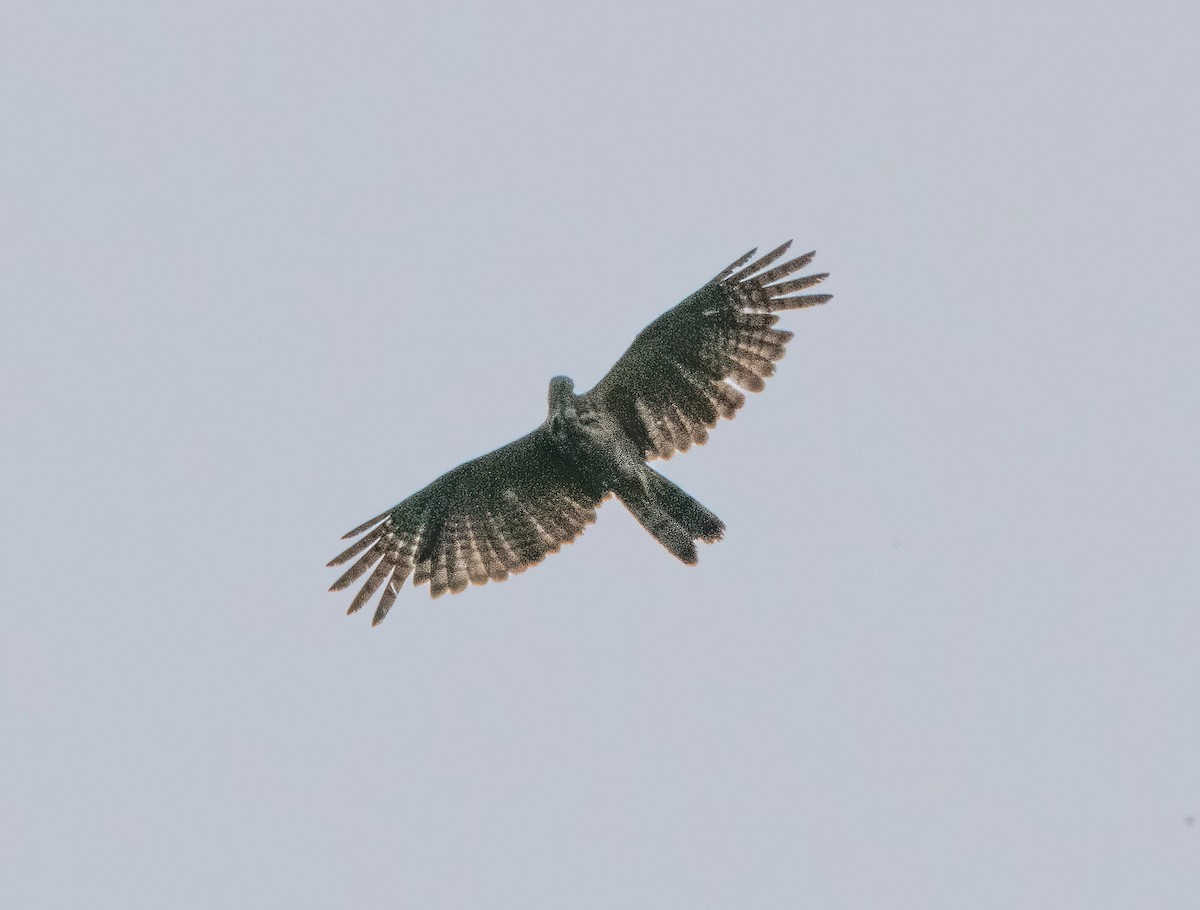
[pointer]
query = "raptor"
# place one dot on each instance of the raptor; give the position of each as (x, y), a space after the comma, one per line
(507, 510)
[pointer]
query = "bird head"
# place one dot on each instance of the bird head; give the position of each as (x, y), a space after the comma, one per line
(561, 398)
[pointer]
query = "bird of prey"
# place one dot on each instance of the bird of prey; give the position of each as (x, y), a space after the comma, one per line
(505, 511)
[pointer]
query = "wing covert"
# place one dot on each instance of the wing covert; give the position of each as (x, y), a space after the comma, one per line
(672, 385)
(488, 518)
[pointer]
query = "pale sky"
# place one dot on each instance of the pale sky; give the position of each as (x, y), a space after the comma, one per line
(267, 269)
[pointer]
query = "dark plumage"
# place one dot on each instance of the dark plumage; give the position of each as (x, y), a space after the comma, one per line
(503, 512)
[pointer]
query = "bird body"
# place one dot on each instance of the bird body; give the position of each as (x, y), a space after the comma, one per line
(591, 439)
(506, 510)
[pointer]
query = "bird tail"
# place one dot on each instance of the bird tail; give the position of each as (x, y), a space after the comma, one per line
(674, 518)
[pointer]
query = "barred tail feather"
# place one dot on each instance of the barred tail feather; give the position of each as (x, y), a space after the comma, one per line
(684, 508)
(674, 518)
(662, 527)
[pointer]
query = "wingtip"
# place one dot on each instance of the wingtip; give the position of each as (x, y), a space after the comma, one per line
(734, 266)
(354, 532)
(744, 272)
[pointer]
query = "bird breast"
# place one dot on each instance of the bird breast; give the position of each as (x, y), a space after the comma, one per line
(595, 442)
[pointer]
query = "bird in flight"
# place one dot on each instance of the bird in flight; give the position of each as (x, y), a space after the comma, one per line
(503, 512)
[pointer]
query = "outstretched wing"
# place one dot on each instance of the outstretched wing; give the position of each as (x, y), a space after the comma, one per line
(499, 513)
(670, 387)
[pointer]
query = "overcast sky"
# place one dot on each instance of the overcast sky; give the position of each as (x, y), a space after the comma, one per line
(268, 268)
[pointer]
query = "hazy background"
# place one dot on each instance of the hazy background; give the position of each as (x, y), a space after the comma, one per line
(268, 268)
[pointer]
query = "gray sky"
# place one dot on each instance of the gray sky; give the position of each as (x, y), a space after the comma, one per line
(266, 270)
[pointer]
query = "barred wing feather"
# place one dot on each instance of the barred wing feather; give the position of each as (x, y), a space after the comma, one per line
(672, 385)
(490, 517)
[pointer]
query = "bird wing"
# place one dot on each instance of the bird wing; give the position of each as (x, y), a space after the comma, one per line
(497, 514)
(671, 386)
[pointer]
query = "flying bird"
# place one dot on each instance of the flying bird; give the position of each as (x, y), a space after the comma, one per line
(503, 512)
